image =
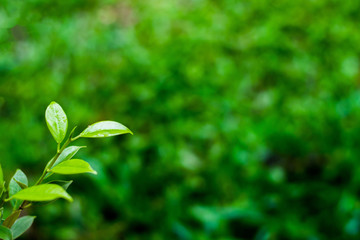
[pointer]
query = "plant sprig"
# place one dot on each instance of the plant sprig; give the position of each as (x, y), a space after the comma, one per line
(21, 195)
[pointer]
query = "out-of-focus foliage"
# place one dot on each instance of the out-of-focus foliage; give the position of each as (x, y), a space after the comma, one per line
(246, 115)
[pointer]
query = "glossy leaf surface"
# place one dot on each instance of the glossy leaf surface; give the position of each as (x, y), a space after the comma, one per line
(73, 166)
(14, 187)
(5, 233)
(56, 121)
(44, 192)
(21, 225)
(67, 154)
(104, 129)
(62, 183)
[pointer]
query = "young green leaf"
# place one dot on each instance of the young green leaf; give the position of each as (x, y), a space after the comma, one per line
(5, 233)
(56, 121)
(67, 154)
(73, 166)
(44, 192)
(14, 187)
(21, 225)
(62, 183)
(9, 221)
(104, 129)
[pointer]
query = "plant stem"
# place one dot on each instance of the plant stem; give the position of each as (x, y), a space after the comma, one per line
(49, 166)
(68, 141)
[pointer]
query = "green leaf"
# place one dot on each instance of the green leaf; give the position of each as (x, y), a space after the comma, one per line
(21, 225)
(104, 129)
(44, 192)
(73, 166)
(56, 121)
(5, 233)
(9, 221)
(67, 154)
(14, 187)
(64, 184)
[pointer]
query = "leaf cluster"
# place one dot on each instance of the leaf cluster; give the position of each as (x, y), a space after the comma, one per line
(21, 195)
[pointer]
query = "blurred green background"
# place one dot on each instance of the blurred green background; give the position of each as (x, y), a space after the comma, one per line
(246, 115)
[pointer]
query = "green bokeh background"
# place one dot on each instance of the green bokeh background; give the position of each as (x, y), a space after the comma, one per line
(246, 115)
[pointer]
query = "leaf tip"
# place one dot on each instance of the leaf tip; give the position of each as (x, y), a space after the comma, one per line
(67, 197)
